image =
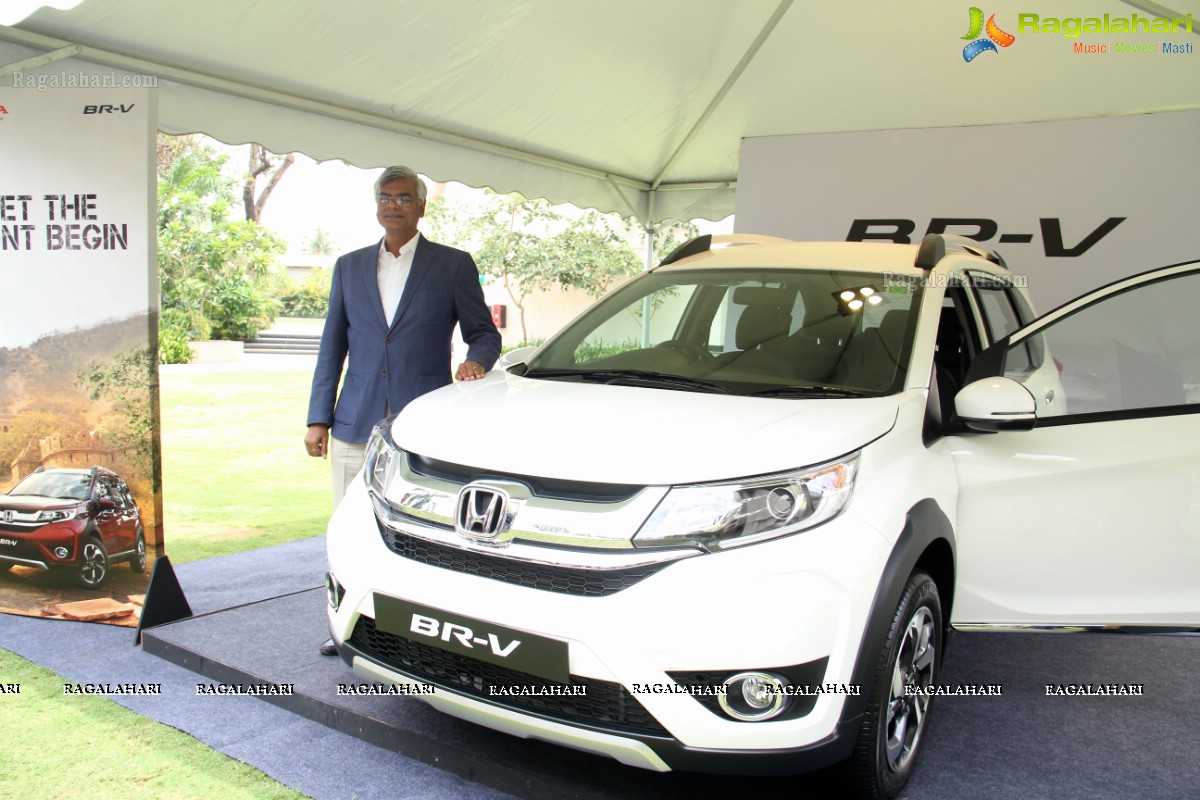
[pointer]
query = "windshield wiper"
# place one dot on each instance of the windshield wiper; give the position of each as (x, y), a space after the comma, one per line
(808, 391)
(632, 377)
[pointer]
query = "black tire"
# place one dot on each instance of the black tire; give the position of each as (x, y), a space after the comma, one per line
(137, 562)
(897, 718)
(93, 564)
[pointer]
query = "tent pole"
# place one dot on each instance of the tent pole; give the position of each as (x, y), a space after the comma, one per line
(39, 61)
(751, 52)
(648, 230)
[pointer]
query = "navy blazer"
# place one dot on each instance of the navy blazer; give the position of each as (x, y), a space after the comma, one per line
(390, 366)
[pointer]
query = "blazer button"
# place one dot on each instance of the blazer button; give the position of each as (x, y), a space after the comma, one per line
(383, 372)
(388, 340)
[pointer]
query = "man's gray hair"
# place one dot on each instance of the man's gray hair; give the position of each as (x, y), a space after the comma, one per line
(401, 173)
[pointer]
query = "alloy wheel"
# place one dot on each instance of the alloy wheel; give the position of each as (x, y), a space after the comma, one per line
(914, 672)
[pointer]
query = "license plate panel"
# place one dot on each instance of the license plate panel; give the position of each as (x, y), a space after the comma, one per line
(479, 639)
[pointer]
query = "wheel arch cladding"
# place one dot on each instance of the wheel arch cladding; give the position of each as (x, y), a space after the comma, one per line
(926, 543)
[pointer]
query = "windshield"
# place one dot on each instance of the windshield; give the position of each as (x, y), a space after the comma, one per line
(768, 332)
(67, 485)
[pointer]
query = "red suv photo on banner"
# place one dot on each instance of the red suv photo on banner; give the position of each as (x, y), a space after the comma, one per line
(80, 520)
(80, 505)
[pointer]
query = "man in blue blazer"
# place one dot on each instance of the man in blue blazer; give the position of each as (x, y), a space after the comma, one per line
(392, 310)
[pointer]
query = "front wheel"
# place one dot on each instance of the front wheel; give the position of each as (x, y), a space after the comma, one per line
(899, 705)
(138, 562)
(93, 569)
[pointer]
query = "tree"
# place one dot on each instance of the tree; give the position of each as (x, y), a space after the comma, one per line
(216, 271)
(532, 247)
(129, 426)
(321, 244)
(308, 297)
(261, 164)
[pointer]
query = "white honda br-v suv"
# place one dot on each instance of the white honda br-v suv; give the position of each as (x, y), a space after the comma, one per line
(725, 519)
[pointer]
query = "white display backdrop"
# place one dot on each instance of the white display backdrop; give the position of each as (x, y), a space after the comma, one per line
(1071, 205)
(74, 194)
(78, 303)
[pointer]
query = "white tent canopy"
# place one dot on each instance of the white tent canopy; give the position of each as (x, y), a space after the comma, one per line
(624, 105)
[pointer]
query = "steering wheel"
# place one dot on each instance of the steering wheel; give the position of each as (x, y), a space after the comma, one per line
(688, 348)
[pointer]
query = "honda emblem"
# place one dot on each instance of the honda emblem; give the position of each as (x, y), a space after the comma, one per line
(482, 511)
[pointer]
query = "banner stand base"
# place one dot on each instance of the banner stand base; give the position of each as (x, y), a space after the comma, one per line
(165, 601)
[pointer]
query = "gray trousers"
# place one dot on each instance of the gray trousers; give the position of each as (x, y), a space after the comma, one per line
(347, 458)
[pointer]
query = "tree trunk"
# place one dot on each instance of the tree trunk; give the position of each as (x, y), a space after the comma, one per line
(260, 162)
(520, 308)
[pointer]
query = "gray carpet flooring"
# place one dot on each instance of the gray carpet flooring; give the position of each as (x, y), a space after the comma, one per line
(1022, 744)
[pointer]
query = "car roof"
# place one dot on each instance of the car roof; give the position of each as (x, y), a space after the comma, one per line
(74, 471)
(841, 256)
(749, 251)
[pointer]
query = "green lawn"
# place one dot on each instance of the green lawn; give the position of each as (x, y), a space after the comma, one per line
(235, 474)
(88, 746)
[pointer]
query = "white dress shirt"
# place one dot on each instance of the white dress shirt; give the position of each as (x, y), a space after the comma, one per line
(392, 273)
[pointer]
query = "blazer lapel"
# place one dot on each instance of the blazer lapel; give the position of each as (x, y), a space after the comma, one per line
(422, 261)
(368, 283)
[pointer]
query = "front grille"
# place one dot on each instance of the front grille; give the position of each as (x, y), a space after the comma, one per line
(561, 580)
(603, 705)
(581, 491)
(23, 549)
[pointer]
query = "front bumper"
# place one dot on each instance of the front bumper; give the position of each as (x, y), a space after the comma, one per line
(656, 753)
(37, 548)
(800, 600)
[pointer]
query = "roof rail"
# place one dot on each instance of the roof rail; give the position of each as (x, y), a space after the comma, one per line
(935, 246)
(703, 244)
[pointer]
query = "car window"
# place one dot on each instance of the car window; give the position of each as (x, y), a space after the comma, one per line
(1137, 349)
(998, 312)
(66, 485)
(1005, 311)
(747, 330)
(645, 322)
(119, 494)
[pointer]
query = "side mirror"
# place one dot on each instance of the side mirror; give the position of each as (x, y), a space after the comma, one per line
(996, 404)
(106, 504)
(514, 357)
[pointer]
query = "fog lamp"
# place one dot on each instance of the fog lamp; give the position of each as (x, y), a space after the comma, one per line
(61, 552)
(334, 592)
(754, 696)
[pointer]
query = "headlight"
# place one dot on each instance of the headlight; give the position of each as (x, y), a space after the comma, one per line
(380, 458)
(61, 515)
(720, 515)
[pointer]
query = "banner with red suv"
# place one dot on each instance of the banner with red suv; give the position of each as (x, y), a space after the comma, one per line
(80, 511)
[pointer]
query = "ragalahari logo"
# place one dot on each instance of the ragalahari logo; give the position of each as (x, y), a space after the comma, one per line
(994, 37)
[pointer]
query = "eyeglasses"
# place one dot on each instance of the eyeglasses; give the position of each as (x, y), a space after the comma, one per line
(402, 200)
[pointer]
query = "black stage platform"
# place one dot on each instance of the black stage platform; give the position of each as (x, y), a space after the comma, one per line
(1022, 744)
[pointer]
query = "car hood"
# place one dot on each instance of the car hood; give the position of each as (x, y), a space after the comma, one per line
(29, 502)
(623, 434)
